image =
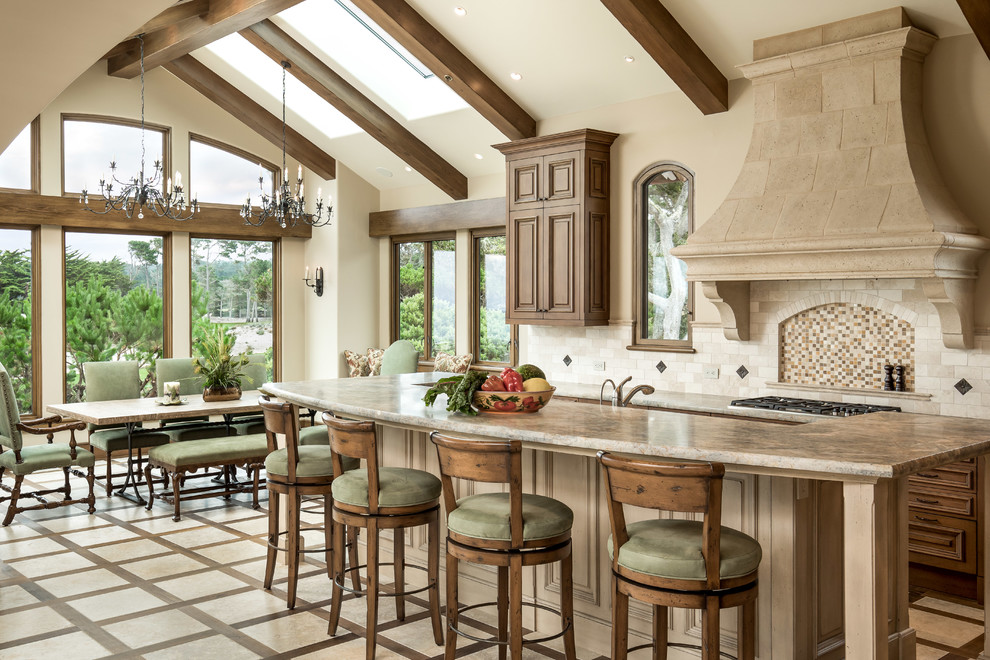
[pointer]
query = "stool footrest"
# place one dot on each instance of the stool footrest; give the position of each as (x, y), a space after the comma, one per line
(492, 640)
(364, 592)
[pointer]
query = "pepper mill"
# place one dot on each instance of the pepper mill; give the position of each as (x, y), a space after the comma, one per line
(888, 379)
(899, 378)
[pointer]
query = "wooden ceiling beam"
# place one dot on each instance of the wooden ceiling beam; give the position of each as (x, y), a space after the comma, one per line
(198, 76)
(331, 87)
(442, 58)
(177, 13)
(675, 51)
(977, 13)
(177, 39)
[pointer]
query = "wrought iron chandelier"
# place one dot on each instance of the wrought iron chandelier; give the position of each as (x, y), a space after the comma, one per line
(285, 207)
(139, 192)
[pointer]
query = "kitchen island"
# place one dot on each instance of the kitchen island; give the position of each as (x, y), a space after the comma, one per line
(777, 483)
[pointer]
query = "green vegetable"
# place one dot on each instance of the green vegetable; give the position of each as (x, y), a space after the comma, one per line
(442, 386)
(459, 390)
(528, 371)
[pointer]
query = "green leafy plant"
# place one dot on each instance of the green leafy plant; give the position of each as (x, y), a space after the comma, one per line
(219, 369)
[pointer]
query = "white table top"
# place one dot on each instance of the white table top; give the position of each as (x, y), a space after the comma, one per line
(122, 411)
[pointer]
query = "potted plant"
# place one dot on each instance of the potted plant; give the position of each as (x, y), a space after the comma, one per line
(221, 372)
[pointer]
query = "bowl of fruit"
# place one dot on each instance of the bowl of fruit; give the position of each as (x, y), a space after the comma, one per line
(520, 390)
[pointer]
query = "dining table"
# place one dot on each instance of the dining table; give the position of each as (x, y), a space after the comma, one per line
(133, 413)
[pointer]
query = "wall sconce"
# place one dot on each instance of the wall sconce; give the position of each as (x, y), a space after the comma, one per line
(316, 282)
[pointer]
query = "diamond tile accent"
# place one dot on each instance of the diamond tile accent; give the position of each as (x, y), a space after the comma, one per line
(567, 360)
(661, 367)
(963, 386)
(742, 371)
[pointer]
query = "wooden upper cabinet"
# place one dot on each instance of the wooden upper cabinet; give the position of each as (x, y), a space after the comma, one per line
(557, 229)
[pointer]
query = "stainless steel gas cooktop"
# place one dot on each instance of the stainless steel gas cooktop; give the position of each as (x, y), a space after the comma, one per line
(810, 406)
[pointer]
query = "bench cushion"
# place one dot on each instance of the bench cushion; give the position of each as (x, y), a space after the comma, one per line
(45, 457)
(672, 549)
(215, 451)
(396, 487)
(486, 516)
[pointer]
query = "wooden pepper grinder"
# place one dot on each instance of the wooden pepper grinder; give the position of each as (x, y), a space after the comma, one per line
(888, 378)
(899, 378)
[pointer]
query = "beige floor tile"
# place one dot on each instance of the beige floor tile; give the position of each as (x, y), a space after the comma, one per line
(74, 523)
(82, 582)
(256, 569)
(119, 552)
(15, 596)
(201, 584)
(291, 632)
(29, 547)
(155, 628)
(242, 607)
(76, 645)
(350, 650)
(164, 566)
(216, 647)
(164, 524)
(100, 536)
(417, 635)
(943, 629)
(51, 564)
(15, 531)
(928, 653)
(201, 536)
(231, 552)
(254, 526)
(116, 603)
(231, 512)
(35, 621)
(953, 608)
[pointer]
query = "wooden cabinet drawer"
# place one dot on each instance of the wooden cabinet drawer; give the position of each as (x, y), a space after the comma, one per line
(942, 541)
(943, 501)
(954, 475)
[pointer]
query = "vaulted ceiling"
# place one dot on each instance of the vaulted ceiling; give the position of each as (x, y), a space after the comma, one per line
(571, 56)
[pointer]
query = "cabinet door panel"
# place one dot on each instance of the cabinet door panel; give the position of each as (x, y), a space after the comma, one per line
(561, 240)
(561, 183)
(525, 183)
(942, 541)
(597, 271)
(523, 247)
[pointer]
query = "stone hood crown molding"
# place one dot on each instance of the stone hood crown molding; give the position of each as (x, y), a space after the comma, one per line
(839, 181)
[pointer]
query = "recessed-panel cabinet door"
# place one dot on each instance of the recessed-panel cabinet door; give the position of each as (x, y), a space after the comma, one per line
(561, 273)
(561, 178)
(523, 247)
(525, 181)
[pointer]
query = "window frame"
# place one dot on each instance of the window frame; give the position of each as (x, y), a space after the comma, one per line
(475, 316)
(166, 132)
(167, 298)
(640, 343)
(35, 163)
(426, 359)
(236, 151)
(35, 316)
(276, 294)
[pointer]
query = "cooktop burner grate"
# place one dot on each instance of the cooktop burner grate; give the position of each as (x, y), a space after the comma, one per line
(811, 406)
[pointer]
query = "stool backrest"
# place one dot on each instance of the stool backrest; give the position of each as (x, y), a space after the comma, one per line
(282, 418)
(665, 486)
(490, 461)
(358, 440)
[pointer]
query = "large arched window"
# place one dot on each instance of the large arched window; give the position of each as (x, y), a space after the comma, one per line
(664, 217)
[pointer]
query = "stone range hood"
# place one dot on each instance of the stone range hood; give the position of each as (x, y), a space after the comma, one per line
(839, 181)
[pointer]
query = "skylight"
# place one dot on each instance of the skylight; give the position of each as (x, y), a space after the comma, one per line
(342, 33)
(257, 67)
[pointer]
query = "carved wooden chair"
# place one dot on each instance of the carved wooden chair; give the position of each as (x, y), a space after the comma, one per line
(21, 460)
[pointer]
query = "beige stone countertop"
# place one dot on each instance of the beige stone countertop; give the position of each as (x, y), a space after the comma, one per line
(864, 447)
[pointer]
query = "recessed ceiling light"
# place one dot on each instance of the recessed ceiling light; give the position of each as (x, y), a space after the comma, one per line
(630, 59)
(460, 11)
(408, 169)
(383, 171)
(515, 76)
(478, 156)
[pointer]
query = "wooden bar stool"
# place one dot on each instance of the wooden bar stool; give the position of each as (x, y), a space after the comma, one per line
(293, 471)
(677, 563)
(507, 530)
(377, 498)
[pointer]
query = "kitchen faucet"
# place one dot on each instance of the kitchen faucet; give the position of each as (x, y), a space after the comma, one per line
(617, 399)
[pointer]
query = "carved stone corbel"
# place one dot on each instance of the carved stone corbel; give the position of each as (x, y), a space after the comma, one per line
(731, 299)
(953, 300)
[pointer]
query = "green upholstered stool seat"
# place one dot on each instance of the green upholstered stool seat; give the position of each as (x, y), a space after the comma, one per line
(672, 549)
(486, 516)
(314, 461)
(316, 435)
(115, 439)
(217, 451)
(45, 457)
(396, 487)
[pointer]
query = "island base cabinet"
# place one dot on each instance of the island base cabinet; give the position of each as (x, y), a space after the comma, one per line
(798, 523)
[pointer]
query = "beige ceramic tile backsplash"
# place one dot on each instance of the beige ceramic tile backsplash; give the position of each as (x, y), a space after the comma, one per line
(936, 368)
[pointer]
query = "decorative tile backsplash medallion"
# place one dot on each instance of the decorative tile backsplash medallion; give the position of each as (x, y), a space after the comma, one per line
(742, 371)
(845, 345)
(567, 360)
(661, 367)
(963, 386)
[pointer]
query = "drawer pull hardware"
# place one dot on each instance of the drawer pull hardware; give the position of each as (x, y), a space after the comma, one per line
(928, 475)
(924, 501)
(923, 519)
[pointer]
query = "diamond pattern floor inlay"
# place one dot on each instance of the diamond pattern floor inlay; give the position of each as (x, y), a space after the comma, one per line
(131, 583)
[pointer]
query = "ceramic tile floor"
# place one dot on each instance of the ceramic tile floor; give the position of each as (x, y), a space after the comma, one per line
(129, 583)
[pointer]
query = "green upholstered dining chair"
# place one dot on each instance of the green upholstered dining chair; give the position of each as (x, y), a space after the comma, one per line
(256, 375)
(401, 357)
(109, 381)
(20, 460)
(181, 370)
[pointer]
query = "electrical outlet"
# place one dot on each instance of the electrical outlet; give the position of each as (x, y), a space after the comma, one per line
(598, 365)
(711, 372)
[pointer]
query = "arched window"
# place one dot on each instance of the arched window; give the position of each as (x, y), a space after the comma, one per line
(223, 174)
(664, 217)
